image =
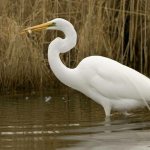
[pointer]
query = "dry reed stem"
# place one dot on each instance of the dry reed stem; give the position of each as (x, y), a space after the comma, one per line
(116, 28)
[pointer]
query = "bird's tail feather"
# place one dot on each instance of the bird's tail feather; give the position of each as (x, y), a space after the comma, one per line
(142, 97)
(147, 105)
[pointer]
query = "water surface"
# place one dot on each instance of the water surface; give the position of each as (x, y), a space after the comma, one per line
(67, 120)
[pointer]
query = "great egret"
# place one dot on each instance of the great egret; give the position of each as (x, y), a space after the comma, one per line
(106, 81)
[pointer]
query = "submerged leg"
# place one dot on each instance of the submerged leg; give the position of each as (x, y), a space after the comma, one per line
(107, 122)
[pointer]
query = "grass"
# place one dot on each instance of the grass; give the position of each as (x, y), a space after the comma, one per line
(117, 29)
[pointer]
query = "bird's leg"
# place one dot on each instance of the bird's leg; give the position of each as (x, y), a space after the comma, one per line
(107, 119)
(107, 124)
(127, 114)
(107, 110)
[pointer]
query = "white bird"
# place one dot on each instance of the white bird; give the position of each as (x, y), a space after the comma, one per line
(106, 81)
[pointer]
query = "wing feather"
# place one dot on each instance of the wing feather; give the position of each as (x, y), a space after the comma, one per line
(116, 81)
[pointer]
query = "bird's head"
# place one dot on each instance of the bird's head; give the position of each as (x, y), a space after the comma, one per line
(55, 24)
(58, 24)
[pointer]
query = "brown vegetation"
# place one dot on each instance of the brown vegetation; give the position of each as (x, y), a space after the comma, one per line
(117, 29)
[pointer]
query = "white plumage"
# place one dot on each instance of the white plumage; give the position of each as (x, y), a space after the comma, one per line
(112, 84)
(104, 80)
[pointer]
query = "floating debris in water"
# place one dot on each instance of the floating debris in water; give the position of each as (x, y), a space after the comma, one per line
(26, 98)
(63, 98)
(33, 92)
(57, 131)
(48, 98)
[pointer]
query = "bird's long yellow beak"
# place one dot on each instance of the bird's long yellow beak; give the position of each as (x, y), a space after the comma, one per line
(38, 27)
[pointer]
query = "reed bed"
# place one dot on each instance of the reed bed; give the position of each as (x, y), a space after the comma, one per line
(117, 29)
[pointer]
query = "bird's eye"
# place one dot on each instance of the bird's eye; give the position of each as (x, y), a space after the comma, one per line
(52, 24)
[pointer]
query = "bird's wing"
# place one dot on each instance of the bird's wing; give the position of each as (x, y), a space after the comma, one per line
(117, 81)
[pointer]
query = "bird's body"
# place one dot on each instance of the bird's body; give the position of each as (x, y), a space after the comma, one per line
(107, 82)
(112, 84)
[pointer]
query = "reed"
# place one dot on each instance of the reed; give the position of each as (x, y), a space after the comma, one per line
(117, 29)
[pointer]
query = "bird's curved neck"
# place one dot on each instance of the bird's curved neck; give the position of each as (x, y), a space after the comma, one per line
(64, 74)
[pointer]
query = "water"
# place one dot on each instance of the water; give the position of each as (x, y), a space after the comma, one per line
(65, 120)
